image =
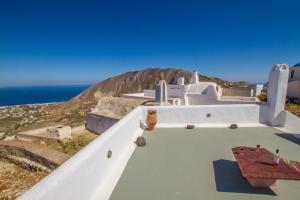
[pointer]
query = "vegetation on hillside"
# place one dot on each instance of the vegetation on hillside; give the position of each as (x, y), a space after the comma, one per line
(14, 119)
(293, 108)
(14, 180)
(289, 106)
(72, 146)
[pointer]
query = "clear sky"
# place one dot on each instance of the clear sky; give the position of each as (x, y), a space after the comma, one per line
(74, 42)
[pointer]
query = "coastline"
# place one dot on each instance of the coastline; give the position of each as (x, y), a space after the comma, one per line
(18, 96)
(32, 104)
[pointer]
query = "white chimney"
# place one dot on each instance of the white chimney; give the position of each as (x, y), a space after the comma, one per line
(180, 81)
(194, 78)
(277, 89)
(161, 92)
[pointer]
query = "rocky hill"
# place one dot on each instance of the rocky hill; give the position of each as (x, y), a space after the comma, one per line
(106, 93)
(137, 81)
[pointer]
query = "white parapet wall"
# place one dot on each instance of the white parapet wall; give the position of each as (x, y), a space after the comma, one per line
(90, 174)
(291, 124)
(210, 115)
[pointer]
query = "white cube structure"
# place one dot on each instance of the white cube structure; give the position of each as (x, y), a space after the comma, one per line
(180, 81)
(59, 132)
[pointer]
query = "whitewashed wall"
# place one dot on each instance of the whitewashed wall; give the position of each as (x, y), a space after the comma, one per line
(257, 89)
(200, 99)
(169, 116)
(149, 93)
(98, 123)
(237, 91)
(176, 90)
(277, 89)
(208, 96)
(199, 88)
(89, 174)
(292, 123)
(294, 89)
(180, 90)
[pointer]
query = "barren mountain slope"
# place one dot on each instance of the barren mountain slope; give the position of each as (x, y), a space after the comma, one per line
(137, 81)
(129, 82)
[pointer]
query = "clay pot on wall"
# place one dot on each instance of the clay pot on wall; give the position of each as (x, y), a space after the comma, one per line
(151, 119)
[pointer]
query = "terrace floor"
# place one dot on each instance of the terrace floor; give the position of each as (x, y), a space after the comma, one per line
(179, 163)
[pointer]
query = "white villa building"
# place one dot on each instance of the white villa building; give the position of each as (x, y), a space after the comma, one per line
(195, 93)
(180, 163)
(59, 132)
(294, 82)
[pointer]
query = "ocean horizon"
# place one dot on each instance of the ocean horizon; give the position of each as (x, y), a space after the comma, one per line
(22, 95)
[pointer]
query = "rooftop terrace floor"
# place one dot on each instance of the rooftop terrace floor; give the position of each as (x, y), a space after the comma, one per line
(198, 163)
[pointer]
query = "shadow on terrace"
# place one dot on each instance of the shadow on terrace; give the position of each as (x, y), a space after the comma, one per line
(228, 179)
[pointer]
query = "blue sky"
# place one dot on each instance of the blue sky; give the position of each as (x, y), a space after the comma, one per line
(76, 42)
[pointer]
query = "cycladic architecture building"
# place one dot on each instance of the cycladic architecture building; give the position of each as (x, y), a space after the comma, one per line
(294, 82)
(59, 132)
(196, 93)
(113, 167)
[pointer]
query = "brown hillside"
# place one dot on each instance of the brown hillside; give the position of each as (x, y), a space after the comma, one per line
(74, 111)
(137, 81)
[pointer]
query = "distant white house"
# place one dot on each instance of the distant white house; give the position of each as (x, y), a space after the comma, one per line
(294, 82)
(59, 132)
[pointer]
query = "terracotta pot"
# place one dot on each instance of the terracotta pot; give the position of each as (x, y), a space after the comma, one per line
(151, 121)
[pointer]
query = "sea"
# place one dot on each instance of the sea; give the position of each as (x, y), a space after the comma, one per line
(38, 94)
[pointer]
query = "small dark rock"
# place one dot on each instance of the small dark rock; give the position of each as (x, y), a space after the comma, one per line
(109, 154)
(190, 126)
(140, 141)
(233, 126)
